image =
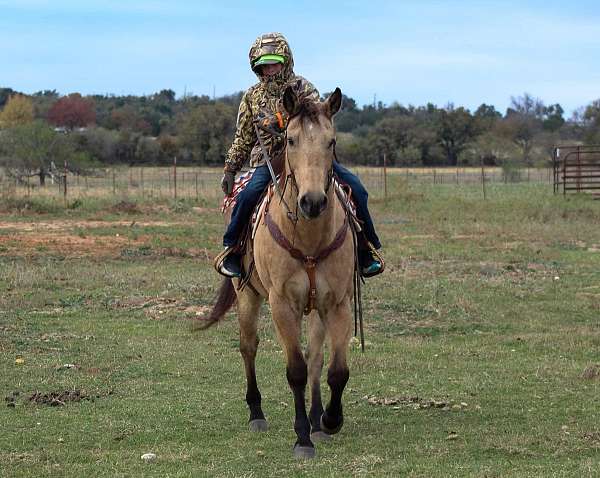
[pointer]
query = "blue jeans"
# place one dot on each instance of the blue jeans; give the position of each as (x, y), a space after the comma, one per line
(249, 197)
(245, 204)
(360, 196)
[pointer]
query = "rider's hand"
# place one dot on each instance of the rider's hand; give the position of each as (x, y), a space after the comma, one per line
(227, 182)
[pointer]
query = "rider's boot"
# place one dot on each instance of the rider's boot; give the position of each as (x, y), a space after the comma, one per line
(369, 263)
(231, 266)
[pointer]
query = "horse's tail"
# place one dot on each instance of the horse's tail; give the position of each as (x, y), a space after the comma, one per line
(225, 299)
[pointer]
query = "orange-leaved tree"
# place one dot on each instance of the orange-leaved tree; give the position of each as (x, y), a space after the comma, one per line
(72, 112)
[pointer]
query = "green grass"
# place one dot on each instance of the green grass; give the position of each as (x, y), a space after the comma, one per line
(494, 304)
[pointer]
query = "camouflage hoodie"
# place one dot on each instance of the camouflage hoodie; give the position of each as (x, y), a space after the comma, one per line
(263, 99)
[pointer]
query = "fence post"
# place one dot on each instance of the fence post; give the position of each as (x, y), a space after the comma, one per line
(65, 181)
(175, 177)
(385, 195)
(483, 179)
(142, 179)
(196, 186)
(113, 182)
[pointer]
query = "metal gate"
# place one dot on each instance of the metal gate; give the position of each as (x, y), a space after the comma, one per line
(577, 169)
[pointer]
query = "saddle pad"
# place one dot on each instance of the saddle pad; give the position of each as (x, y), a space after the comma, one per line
(238, 187)
(258, 212)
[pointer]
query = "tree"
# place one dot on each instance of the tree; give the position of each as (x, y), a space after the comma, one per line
(32, 149)
(18, 111)
(455, 129)
(521, 130)
(527, 105)
(207, 131)
(43, 101)
(390, 136)
(128, 118)
(486, 117)
(491, 148)
(5, 94)
(591, 121)
(147, 150)
(553, 118)
(72, 112)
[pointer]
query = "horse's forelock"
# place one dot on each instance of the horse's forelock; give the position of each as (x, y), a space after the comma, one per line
(309, 111)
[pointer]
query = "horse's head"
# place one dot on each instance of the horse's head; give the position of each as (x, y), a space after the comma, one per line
(310, 148)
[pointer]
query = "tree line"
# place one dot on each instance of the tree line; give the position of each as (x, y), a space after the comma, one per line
(41, 132)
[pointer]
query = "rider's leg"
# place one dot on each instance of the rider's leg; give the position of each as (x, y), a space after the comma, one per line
(369, 263)
(244, 206)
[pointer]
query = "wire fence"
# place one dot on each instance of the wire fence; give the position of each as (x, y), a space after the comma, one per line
(198, 183)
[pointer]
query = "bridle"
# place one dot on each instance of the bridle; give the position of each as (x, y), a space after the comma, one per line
(292, 216)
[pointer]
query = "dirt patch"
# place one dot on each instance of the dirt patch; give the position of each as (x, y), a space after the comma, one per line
(64, 244)
(593, 437)
(76, 239)
(415, 402)
(53, 399)
(591, 372)
(127, 207)
(163, 307)
(61, 398)
(67, 225)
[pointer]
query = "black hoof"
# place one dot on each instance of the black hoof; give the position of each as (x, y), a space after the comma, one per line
(304, 452)
(319, 436)
(258, 425)
(332, 429)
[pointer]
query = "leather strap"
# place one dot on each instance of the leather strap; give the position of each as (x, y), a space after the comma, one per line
(309, 262)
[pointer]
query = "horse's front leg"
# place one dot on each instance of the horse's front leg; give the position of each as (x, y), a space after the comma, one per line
(316, 337)
(288, 325)
(339, 328)
(248, 307)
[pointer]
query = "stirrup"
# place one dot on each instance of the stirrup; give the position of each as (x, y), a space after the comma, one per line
(220, 260)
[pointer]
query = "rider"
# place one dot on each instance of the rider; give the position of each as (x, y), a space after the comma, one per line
(272, 62)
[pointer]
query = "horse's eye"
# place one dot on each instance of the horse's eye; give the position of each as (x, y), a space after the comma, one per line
(291, 141)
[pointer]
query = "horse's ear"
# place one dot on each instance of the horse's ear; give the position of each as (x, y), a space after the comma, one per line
(334, 102)
(290, 101)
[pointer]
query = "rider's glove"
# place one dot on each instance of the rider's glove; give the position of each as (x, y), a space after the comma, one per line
(227, 182)
(274, 122)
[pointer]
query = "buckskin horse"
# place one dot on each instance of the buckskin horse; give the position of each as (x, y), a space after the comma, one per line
(303, 256)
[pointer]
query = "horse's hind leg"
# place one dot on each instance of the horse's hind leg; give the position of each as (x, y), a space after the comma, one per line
(287, 323)
(248, 307)
(339, 329)
(316, 337)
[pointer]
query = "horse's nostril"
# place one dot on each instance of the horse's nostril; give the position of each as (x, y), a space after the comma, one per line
(313, 205)
(304, 203)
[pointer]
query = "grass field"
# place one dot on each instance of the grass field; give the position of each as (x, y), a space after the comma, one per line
(482, 355)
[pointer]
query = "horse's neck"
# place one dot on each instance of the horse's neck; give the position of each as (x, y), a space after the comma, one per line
(310, 236)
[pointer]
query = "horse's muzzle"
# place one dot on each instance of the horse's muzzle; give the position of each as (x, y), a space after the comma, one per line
(312, 204)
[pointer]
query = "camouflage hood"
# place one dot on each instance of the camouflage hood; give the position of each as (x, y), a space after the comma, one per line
(273, 44)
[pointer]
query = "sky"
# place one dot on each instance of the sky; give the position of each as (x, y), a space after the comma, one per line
(411, 52)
